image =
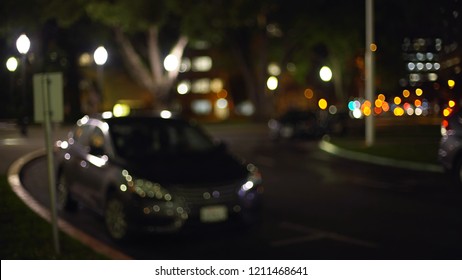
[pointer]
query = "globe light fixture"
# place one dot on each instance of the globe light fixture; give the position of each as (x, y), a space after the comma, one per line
(23, 44)
(272, 83)
(12, 64)
(100, 55)
(325, 74)
(171, 62)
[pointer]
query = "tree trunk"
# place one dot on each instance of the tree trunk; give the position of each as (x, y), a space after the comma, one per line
(154, 79)
(139, 72)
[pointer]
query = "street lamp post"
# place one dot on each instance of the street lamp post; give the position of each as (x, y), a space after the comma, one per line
(369, 68)
(23, 46)
(12, 65)
(100, 57)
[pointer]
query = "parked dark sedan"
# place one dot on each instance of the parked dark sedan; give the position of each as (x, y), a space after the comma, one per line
(298, 124)
(151, 174)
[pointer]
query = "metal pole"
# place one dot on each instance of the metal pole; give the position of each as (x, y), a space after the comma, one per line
(51, 169)
(23, 113)
(100, 74)
(369, 75)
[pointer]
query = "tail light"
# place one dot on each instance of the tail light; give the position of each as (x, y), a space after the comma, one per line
(445, 124)
(444, 127)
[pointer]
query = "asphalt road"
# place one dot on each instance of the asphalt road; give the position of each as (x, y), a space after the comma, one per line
(317, 206)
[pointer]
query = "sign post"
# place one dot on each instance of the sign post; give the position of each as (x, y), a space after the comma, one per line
(48, 105)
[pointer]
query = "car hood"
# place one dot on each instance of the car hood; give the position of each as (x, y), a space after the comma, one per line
(203, 168)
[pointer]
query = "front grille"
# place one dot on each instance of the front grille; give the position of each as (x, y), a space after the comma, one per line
(196, 196)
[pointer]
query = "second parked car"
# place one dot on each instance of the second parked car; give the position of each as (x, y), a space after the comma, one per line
(450, 148)
(297, 123)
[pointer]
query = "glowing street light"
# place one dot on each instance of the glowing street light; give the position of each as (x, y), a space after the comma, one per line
(272, 83)
(23, 44)
(12, 64)
(100, 55)
(171, 62)
(325, 74)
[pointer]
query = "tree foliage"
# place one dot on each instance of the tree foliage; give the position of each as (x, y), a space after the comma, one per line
(249, 34)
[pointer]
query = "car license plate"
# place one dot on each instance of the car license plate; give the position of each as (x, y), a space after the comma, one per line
(213, 214)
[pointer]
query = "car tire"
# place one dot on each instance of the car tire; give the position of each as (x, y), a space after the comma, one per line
(115, 218)
(64, 201)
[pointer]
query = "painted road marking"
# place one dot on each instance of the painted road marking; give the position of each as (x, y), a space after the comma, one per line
(312, 234)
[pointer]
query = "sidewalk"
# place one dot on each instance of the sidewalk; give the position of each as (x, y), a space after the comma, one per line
(9, 129)
(407, 142)
(14, 145)
(358, 156)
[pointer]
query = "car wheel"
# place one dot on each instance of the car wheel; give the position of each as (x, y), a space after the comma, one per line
(115, 217)
(64, 200)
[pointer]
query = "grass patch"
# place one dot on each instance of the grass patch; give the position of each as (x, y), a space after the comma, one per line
(418, 143)
(25, 235)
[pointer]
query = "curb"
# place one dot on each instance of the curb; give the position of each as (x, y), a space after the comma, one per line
(415, 166)
(17, 187)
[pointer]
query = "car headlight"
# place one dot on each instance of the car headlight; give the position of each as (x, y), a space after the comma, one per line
(145, 188)
(253, 179)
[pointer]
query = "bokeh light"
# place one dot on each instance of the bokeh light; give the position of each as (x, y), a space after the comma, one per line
(171, 62)
(322, 103)
(100, 55)
(308, 93)
(272, 83)
(12, 64)
(325, 73)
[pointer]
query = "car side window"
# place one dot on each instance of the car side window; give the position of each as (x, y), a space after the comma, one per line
(81, 134)
(97, 142)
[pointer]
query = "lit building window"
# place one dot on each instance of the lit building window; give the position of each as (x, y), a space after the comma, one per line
(85, 59)
(216, 85)
(274, 69)
(414, 77)
(202, 64)
(432, 77)
(201, 107)
(201, 86)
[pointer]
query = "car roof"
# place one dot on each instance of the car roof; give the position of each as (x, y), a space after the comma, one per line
(138, 117)
(143, 118)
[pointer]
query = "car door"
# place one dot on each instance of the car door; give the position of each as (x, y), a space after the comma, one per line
(94, 168)
(76, 162)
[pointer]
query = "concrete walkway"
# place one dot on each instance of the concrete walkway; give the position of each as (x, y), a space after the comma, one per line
(416, 166)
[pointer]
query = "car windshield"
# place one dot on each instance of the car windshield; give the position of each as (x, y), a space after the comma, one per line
(148, 138)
